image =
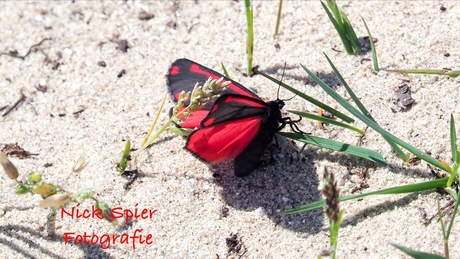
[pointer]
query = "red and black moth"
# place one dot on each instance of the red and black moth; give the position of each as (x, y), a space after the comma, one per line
(239, 125)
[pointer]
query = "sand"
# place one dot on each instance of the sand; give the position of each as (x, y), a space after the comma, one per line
(74, 103)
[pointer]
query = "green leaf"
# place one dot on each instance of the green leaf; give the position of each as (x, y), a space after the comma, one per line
(309, 98)
(423, 186)
(417, 254)
(327, 120)
(365, 153)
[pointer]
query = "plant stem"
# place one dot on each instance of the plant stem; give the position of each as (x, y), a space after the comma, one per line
(278, 19)
(150, 141)
(155, 120)
(250, 39)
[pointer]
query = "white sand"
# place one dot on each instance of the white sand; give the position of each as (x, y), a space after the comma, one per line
(189, 200)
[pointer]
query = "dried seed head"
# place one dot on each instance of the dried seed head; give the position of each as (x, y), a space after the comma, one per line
(8, 166)
(183, 97)
(56, 200)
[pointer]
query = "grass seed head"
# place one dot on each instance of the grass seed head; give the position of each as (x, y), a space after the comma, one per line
(331, 193)
(209, 92)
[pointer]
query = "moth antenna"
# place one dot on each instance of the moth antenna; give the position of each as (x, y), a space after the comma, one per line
(279, 86)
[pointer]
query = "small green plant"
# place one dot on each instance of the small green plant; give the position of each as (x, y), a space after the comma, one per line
(124, 157)
(445, 236)
(53, 195)
(394, 141)
(343, 26)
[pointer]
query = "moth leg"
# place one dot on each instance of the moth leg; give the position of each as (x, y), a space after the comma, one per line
(292, 123)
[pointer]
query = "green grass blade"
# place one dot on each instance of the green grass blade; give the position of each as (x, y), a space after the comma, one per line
(363, 109)
(309, 99)
(124, 158)
(423, 186)
(365, 153)
(452, 73)
(441, 221)
(250, 39)
(327, 120)
(374, 51)
(340, 30)
(417, 254)
(332, 4)
(420, 154)
(454, 213)
(453, 139)
(353, 96)
(351, 35)
(278, 19)
(225, 70)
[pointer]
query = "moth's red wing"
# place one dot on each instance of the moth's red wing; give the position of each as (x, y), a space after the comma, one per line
(223, 141)
(194, 120)
(231, 125)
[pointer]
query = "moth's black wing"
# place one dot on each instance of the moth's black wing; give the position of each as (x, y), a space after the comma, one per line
(250, 158)
(233, 107)
(184, 74)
